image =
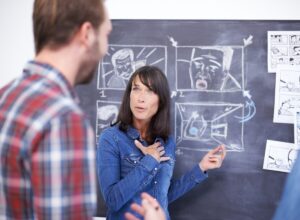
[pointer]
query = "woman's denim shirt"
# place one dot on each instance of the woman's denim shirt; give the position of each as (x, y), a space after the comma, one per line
(124, 172)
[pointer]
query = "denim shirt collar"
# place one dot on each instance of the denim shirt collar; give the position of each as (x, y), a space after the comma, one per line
(134, 134)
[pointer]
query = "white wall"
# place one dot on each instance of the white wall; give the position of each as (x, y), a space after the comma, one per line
(205, 9)
(16, 39)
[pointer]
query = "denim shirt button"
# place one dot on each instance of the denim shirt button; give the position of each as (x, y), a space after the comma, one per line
(155, 182)
(155, 168)
(134, 161)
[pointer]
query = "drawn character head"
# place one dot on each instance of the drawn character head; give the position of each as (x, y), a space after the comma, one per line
(209, 68)
(277, 38)
(293, 39)
(296, 50)
(123, 62)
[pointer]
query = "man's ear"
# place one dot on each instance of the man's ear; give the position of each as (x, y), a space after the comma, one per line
(86, 34)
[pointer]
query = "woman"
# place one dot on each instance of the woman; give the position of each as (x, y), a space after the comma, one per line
(137, 154)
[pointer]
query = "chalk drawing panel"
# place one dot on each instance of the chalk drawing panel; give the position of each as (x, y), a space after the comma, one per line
(122, 60)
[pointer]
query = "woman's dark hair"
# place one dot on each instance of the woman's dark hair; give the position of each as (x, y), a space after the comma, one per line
(154, 79)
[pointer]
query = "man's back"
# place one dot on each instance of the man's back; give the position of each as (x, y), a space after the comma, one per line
(47, 149)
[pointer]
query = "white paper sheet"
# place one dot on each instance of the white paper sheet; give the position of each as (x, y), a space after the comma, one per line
(297, 129)
(287, 93)
(279, 156)
(283, 48)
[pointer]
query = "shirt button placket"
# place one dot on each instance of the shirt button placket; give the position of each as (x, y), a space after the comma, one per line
(155, 184)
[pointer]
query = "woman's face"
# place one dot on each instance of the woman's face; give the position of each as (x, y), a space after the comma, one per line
(143, 102)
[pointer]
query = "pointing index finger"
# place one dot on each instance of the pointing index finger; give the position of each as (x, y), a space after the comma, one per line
(223, 151)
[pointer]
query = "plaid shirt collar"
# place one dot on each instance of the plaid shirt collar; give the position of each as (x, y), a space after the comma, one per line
(48, 71)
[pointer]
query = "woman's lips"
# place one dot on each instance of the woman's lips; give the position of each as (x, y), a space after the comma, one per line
(140, 109)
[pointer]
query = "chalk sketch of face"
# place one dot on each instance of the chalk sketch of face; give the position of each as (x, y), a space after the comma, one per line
(123, 62)
(206, 72)
(209, 68)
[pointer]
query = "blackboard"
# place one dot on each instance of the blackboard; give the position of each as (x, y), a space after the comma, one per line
(238, 113)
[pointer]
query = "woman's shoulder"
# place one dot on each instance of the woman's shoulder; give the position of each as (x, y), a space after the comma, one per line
(110, 132)
(111, 128)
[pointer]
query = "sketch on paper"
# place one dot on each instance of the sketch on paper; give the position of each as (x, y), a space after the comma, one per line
(279, 156)
(122, 60)
(107, 113)
(297, 129)
(287, 94)
(209, 68)
(283, 49)
(284, 112)
(289, 80)
(207, 125)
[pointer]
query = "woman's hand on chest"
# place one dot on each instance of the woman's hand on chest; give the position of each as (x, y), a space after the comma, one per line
(155, 150)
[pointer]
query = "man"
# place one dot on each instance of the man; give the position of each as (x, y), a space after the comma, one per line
(47, 168)
(288, 207)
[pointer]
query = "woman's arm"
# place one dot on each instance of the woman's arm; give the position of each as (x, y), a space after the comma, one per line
(212, 160)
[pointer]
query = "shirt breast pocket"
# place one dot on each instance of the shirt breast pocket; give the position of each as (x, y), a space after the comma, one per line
(129, 162)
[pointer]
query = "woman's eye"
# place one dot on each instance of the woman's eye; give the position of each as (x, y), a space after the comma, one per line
(149, 90)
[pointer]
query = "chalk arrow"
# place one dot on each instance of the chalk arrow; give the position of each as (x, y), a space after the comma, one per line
(173, 94)
(248, 41)
(250, 106)
(246, 93)
(174, 43)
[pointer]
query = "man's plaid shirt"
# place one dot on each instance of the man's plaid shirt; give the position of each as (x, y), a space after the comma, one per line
(47, 150)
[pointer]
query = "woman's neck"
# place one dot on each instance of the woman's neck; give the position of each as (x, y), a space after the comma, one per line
(142, 127)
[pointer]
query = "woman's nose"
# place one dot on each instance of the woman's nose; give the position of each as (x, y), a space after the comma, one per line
(140, 100)
(141, 97)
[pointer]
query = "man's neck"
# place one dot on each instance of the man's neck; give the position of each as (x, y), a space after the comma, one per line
(64, 60)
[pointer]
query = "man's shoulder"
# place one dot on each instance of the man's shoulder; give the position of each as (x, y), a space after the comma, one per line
(39, 97)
